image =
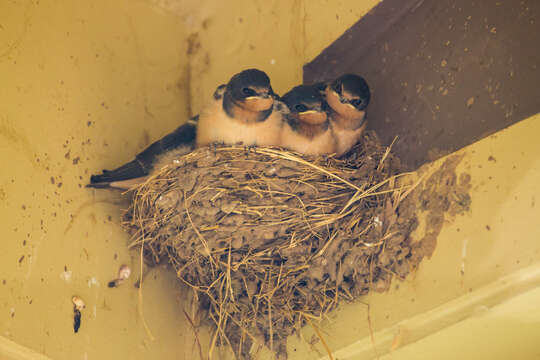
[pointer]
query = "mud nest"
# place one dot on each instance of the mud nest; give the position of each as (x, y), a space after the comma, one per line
(270, 240)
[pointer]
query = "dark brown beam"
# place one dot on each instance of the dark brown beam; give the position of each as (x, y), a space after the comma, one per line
(443, 73)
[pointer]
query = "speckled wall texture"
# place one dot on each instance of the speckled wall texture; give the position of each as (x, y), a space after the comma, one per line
(84, 86)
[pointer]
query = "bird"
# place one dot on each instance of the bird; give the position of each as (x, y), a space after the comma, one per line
(135, 172)
(347, 98)
(244, 111)
(306, 128)
(247, 99)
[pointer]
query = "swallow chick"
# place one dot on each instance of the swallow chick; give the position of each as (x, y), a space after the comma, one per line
(306, 128)
(242, 112)
(136, 171)
(347, 97)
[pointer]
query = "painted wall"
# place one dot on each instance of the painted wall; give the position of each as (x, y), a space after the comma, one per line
(85, 85)
(277, 36)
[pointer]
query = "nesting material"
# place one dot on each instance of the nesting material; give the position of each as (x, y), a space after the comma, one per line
(267, 238)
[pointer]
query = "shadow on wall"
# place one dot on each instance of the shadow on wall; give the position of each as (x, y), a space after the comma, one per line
(443, 73)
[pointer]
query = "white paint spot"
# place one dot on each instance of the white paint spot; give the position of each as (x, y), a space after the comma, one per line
(272, 61)
(66, 275)
(176, 161)
(464, 255)
(377, 222)
(93, 282)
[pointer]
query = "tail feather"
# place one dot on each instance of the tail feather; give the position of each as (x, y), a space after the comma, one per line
(145, 160)
(99, 185)
(132, 169)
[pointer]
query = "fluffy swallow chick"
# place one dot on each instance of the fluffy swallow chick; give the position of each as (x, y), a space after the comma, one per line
(347, 98)
(244, 113)
(306, 128)
(137, 170)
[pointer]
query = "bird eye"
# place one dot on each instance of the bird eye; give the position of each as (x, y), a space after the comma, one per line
(300, 108)
(356, 102)
(248, 92)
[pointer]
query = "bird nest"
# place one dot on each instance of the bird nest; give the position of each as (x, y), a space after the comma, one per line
(270, 240)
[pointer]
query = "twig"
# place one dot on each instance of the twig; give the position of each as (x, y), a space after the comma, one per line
(325, 345)
(195, 332)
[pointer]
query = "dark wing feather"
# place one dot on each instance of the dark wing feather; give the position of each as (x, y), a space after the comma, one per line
(144, 161)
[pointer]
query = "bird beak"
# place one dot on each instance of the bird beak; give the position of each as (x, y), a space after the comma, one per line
(264, 95)
(259, 102)
(308, 112)
(314, 109)
(312, 117)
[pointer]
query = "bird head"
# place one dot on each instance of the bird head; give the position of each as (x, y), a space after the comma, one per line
(251, 90)
(348, 95)
(306, 104)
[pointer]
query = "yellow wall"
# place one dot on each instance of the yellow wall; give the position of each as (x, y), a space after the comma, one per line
(84, 86)
(277, 36)
(87, 84)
